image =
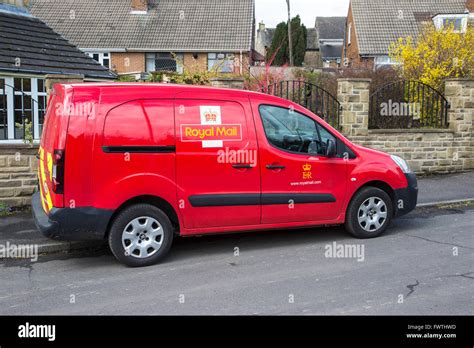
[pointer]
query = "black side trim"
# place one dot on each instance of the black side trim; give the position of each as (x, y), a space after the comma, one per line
(225, 200)
(228, 200)
(284, 198)
(139, 149)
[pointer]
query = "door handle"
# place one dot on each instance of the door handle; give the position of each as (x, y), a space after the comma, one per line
(274, 166)
(242, 166)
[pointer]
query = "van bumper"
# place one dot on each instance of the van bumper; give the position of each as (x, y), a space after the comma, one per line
(406, 198)
(70, 223)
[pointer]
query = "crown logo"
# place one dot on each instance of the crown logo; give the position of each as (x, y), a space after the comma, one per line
(307, 167)
(210, 116)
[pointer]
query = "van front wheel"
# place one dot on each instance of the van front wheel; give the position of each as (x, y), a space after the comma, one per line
(369, 213)
(141, 235)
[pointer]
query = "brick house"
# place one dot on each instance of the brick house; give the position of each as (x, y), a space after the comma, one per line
(372, 26)
(142, 36)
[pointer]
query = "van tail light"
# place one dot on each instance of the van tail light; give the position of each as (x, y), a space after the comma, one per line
(58, 171)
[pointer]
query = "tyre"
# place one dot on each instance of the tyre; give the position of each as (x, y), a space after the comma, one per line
(141, 235)
(369, 213)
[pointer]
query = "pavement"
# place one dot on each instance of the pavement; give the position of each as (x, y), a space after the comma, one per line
(422, 265)
(20, 229)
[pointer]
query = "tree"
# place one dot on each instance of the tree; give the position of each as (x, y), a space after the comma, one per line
(280, 43)
(435, 55)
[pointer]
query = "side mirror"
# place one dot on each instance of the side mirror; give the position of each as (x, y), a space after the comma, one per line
(331, 149)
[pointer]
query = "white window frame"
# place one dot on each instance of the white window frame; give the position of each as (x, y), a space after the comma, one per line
(384, 60)
(349, 30)
(10, 94)
(101, 57)
(227, 59)
(439, 21)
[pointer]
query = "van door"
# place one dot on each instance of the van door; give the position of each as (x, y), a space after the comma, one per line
(216, 157)
(299, 183)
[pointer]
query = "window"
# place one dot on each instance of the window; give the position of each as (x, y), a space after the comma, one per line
(21, 100)
(294, 132)
(164, 62)
(220, 62)
(459, 22)
(384, 60)
(349, 29)
(101, 57)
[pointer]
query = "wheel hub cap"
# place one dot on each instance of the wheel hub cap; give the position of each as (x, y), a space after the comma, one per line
(142, 237)
(372, 214)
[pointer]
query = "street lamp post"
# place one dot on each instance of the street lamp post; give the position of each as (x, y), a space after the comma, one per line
(290, 45)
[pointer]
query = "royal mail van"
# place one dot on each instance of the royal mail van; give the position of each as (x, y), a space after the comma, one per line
(138, 164)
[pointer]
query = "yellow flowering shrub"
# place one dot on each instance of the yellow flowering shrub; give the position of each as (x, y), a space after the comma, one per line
(435, 55)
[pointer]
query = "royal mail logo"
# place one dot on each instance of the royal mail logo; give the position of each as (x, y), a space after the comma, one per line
(210, 116)
(221, 132)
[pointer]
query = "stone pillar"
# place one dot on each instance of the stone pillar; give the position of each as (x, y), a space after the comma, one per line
(353, 94)
(59, 78)
(228, 82)
(460, 95)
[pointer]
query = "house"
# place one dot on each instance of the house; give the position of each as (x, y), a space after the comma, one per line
(373, 25)
(29, 52)
(143, 36)
(325, 42)
(264, 38)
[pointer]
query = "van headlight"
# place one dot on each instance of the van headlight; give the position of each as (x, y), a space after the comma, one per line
(401, 163)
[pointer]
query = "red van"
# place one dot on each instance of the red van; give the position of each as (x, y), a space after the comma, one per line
(138, 164)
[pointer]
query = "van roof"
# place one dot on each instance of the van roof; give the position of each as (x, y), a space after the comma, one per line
(137, 88)
(140, 85)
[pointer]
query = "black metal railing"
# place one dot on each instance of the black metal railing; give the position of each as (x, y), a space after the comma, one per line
(312, 97)
(407, 104)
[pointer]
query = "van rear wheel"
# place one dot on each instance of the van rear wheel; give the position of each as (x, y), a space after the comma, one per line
(369, 213)
(141, 235)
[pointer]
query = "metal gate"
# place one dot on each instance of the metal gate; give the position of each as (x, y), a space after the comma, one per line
(407, 104)
(310, 96)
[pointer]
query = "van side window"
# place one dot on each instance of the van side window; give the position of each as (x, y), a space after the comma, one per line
(325, 137)
(292, 131)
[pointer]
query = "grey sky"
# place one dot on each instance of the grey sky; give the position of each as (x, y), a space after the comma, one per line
(273, 12)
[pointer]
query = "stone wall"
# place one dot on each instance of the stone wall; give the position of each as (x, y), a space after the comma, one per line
(426, 150)
(18, 178)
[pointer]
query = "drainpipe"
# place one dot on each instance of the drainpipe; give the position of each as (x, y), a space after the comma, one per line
(241, 62)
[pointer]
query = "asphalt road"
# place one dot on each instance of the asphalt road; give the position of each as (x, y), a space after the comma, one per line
(283, 272)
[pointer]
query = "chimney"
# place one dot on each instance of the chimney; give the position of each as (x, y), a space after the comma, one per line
(261, 26)
(139, 6)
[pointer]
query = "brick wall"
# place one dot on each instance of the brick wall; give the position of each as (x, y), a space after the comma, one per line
(192, 64)
(128, 62)
(426, 150)
(124, 63)
(354, 60)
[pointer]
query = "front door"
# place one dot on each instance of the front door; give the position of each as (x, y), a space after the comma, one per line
(299, 183)
(216, 157)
